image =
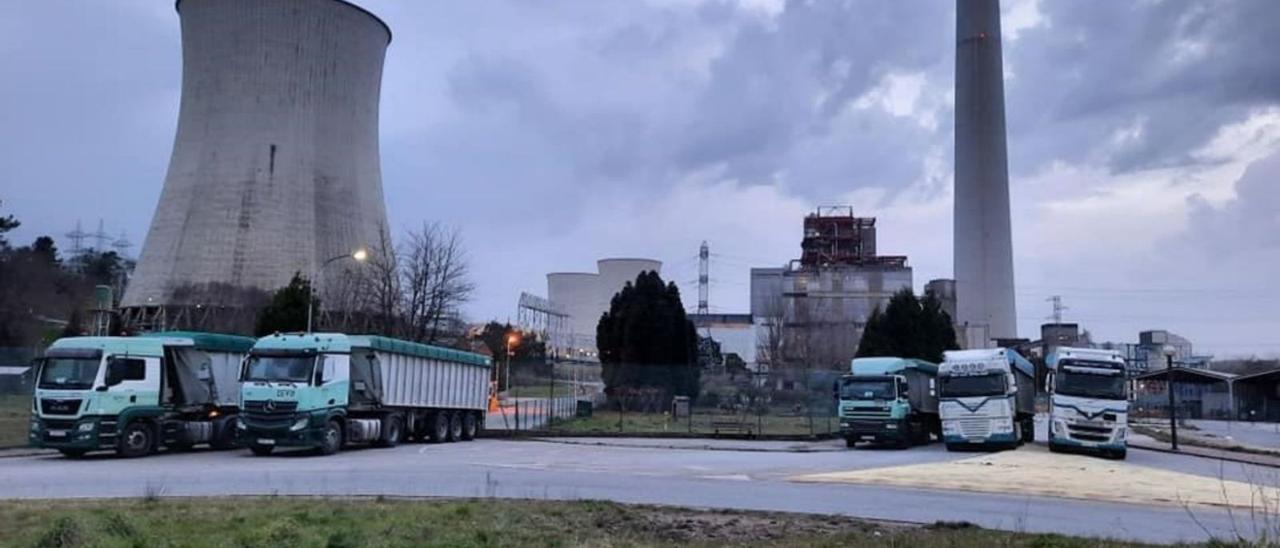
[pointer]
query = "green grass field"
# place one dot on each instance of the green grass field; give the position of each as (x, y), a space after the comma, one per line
(704, 422)
(252, 522)
(15, 418)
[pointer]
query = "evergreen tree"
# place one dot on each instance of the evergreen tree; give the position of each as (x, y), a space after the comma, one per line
(646, 340)
(909, 328)
(287, 311)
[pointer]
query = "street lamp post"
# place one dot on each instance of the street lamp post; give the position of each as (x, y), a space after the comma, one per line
(512, 340)
(1173, 409)
(358, 255)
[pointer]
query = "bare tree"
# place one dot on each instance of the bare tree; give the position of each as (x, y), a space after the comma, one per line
(436, 281)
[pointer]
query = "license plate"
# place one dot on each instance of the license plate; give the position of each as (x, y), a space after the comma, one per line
(57, 433)
(868, 437)
(266, 441)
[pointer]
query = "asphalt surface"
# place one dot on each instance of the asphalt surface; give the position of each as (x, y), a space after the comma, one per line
(1265, 435)
(714, 478)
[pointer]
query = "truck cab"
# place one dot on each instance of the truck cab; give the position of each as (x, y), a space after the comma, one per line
(1088, 402)
(986, 397)
(134, 395)
(891, 400)
(294, 392)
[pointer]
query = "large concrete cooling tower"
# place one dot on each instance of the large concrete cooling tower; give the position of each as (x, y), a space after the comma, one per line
(983, 240)
(275, 164)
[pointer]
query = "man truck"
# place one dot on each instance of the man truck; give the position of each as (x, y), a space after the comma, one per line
(987, 398)
(889, 400)
(325, 391)
(134, 395)
(1088, 402)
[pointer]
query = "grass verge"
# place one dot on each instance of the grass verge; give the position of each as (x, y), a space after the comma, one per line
(461, 523)
(15, 419)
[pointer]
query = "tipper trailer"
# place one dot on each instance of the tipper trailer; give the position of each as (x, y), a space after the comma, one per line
(134, 395)
(889, 400)
(987, 398)
(328, 390)
(1088, 401)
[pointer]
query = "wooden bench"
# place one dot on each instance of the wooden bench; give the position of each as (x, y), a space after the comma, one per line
(734, 426)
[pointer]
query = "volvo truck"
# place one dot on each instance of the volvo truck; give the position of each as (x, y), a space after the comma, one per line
(986, 398)
(1088, 401)
(889, 400)
(326, 391)
(134, 395)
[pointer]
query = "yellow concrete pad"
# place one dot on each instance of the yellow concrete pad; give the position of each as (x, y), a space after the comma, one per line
(1033, 470)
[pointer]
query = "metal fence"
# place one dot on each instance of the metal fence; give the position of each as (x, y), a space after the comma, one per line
(796, 403)
(16, 385)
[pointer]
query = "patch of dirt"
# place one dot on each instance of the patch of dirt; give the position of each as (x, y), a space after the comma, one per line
(682, 525)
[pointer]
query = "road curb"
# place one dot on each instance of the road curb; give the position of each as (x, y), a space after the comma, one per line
(1227, 457)
(685, 447)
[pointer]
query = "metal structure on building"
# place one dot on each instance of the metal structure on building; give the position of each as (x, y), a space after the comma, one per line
(833, 236)
(275, 165)
(537, 315)
(983, 246)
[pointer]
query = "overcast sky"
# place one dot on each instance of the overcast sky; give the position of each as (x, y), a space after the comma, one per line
(1144, 140)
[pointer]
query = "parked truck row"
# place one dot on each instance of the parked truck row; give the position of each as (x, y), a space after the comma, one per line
(986, 398)
(176, 390)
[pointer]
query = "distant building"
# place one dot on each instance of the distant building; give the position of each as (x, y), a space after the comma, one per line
(735, 333)
(1148, 354)
(811, 313)
(582, 297)
(945, 291)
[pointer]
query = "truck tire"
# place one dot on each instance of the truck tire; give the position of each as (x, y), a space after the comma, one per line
(261, 450)
(331, 440)
(439, 427)
(907, 435)
(1017, 434)
(1029, 430)
(224, 435)
(1117, 454)
(138, 439)
(850, 443)
(72, 453)
(392, 431)
(455, 427)
(952, 447)
(470, 425)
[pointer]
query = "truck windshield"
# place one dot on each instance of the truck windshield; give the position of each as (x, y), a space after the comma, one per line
(866, 389)
(1090, 385)
(68, 373)
(280, 368)
(990, 384)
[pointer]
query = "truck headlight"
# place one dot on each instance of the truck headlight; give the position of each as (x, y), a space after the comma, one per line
(35, 426)
(1121, 432)
(949, 427)
(1001, 425)
(85, 427)
(1059, 428)
(299, 424)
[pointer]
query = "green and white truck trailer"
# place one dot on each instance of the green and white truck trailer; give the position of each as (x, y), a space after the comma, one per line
(891, 400)
(133, 395)
(1088, 401)
(987, 398)
(325, 391)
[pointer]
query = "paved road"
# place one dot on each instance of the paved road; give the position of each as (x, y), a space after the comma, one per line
(1257, 434)
(538, 470)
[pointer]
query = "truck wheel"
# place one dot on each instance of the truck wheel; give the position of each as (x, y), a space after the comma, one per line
(1118, 454)
(136, 440)
(1029, 430)
(439, 427)
(392, 430)
(469, 426)
(850, 443)
(261, 450)
(72, 453)
(1017, 434)
(952, 447)
(908, 435)
(224, 435)
(455, 426)
(331, 440)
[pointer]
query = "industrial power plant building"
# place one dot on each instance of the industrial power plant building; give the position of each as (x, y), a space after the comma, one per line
(584, 296)
(812, 312)
(275, 166)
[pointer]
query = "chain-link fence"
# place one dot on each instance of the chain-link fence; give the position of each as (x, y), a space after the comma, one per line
(17, 379)
(797, 403)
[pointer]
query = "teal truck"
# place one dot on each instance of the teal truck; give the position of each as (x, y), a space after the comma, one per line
(890, 400)
(134, 395)
(324, 391)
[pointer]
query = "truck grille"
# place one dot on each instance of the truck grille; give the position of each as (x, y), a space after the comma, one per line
(868, 413)
(975, 427)
(1089, 432)
(59, 407)
(280, 415)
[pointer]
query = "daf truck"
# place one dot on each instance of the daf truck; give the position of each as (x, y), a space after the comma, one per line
(889, 400)
(325, 391)
(134, 395)
(987, 398)
(1088, 401)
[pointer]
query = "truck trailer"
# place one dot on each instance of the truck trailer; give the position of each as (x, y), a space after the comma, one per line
(325, 391)
(987, 398)
(893, 400)
(133, 395)
(1088, 401)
